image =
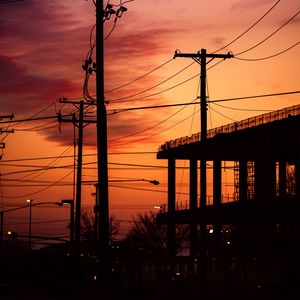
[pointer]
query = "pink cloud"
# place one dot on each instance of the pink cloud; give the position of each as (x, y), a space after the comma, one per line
(242, 5)
(22, 91)
(45, 47)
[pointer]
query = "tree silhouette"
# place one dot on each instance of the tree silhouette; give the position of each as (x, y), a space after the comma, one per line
(150, 238)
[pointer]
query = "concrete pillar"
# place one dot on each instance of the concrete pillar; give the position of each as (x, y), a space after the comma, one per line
(265, 180)
(171, 206)
(217, 182)
(203, 180)
(193, 207)
(217, 200)
(265, 194)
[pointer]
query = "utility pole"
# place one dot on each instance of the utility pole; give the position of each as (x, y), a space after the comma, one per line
(1, 231)
(201, 58)
(103, 222)
(80, 123)
(2, 145)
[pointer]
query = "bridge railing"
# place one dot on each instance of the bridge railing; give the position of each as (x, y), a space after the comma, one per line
(250, 122)
(184, 205)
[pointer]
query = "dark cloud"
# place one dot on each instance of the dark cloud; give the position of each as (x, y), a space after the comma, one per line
(218, 42)
(44, 48)
(22, 91)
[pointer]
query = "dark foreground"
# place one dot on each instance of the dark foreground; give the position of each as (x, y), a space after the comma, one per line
(52, 276)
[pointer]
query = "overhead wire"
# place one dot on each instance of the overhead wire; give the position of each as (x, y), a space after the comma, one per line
(249, 28)
(221, 114)
(51, 164)
(270, 35)
(72, 156)
(170, 88)
(115, 111)
(160, 92)
(140, 77)
(234, 40)
(189, 134)
(159, 132)
(243, 109)
(39, 127)
(153, 126)
(33, 119)
(270, 56)
(36, 114)
(117, 100)
(43, 189)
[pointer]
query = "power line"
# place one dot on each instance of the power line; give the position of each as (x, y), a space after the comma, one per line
(269, 36)
(33, 119)
(234, 40)
(138, 189)
(141, 77)
(170, 88)
(39, 127)
(248, 29)
(149, 128)
(41, 190)
(72, 156)
(243, 109)
(71, 166)
(117, 100)
(270, 56)
(120, 110)
(255, 96)
(222, 115)
(160, 92)
(157, 133)
(37, 113)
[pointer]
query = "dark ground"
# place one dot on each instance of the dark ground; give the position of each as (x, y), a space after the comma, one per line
(55, 277)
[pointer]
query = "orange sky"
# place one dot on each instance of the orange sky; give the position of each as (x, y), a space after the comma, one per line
(43, 45)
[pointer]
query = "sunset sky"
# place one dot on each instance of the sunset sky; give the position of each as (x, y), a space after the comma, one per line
(43, 45)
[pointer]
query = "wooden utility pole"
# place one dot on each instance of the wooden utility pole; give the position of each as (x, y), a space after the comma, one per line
(80, 123)
(103, 222)
(2, 145)
(201, 58)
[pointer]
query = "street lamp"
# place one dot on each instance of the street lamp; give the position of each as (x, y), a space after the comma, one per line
(30, 218)
(97, 205)
(31, 204)
(71, 203)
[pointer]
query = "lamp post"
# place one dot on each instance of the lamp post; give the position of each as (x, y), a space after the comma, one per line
(72, 223)
(31, 204)
(30, 222)
(97, 206)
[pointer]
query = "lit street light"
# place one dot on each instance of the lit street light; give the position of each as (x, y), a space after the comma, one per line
(71, 203)
(30, 218)
(31, 204)
(97, 205)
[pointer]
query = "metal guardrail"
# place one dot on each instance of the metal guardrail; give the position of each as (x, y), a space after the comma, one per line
(185, 205)
(247, 123)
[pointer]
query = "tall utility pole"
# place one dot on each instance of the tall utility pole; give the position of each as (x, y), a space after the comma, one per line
(2, 145)
(103, 214)
(80, 123)
(200, 57)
